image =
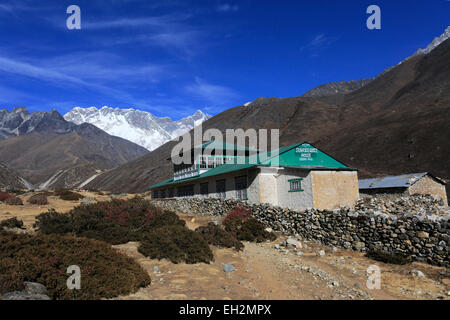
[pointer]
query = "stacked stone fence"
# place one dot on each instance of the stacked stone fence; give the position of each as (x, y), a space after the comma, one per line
(424, 238)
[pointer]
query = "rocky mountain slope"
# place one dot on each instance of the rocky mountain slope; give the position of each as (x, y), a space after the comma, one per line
(43, 147)
(397, 123)
(137, 126)
(9, 179)
(333, 88)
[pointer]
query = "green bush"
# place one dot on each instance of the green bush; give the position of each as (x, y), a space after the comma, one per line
(105, 273)
(216, 236)
(248, 230)
(177, 244)
(388, 257)
(11, 223)
(53, 222)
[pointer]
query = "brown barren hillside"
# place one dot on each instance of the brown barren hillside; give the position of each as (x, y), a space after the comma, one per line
(397, 123)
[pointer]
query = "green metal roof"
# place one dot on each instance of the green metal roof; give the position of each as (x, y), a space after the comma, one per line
(225, 168)
(299, 156)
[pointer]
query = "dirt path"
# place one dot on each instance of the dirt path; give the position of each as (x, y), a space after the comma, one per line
(263, 272)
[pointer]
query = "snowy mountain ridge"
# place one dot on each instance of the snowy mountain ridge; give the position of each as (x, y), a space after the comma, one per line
(140, 127)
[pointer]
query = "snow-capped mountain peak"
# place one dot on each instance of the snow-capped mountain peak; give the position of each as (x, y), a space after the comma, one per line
(140, 127)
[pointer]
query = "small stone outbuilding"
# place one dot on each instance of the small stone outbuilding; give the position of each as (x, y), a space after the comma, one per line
(405, 184)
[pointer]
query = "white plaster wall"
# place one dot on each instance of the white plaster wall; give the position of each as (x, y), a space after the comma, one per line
(294, 200)
(268, 186)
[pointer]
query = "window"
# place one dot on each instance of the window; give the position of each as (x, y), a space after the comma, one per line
(204, 189)
(295, 185)
(171, 192)
(155, 194)
(163, 194)
(220, 188)
(186, 191)
(241, 187)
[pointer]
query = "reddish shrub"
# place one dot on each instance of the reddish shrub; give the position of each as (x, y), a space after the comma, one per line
(237, 213)
(4, 196)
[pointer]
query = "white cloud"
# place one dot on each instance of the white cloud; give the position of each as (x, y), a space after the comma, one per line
(318, 43)
(226, 7)
(215, 94)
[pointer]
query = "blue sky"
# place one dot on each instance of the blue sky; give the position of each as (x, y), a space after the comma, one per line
(172, 57)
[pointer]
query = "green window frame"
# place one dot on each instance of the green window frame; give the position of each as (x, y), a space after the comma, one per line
(295, 185)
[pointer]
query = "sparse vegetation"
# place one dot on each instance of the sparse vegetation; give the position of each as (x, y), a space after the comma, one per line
(388, 257)
(38, 199)
(11, 223)
(217, 236)
(106, 273)
(241, 225)
(14, 201)
(176, 243)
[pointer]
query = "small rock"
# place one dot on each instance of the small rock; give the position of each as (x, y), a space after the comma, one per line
(34, 287)
(268, 229)
(228, 268)
(418, 273)
(321, 253)
(155, 269)
(422, 234)
(300, 253)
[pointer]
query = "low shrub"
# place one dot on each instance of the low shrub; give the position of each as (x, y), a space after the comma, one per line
(105, 272)
(14, 201)
(68, 195)
(216, 236)
(177, 244)
(38, 199)
(116, 221)
(248, 230)
(11, 223)
(237, 213)
(53, 222)
(4, 196)
(388, 257)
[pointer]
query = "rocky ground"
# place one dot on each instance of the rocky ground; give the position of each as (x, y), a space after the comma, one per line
(283, 269)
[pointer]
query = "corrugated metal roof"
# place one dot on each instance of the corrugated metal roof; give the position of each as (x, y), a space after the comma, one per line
(401, 181)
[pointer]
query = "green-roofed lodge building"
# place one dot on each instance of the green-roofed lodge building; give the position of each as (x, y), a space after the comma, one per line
(299, 176)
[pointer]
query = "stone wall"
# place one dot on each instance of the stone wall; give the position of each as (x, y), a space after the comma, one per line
(424, 238)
